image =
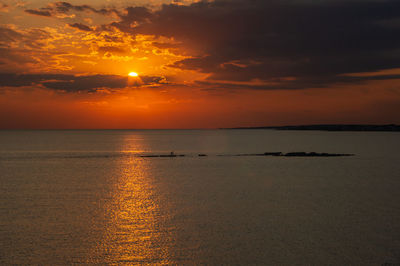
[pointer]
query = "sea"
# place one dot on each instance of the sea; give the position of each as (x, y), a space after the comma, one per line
(92, 197)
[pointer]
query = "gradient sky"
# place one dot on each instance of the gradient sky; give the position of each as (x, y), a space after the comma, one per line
(201, 64)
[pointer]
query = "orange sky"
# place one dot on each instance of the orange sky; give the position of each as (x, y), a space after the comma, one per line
(66, 66)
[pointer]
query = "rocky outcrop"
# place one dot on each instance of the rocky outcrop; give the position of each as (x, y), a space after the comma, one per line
(314, 154)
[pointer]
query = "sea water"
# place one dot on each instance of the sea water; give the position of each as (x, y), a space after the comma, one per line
(88, 197)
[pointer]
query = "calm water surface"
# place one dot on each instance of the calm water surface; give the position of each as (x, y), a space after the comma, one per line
(86, 197)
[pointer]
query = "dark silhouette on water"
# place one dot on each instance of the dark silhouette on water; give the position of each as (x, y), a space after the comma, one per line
(272, 153)
(289, 154)
(171, 155)
(314, 154)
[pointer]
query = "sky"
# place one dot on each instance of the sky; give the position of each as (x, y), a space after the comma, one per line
(199, 64)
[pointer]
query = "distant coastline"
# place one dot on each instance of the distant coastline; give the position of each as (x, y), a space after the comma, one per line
(332, 127)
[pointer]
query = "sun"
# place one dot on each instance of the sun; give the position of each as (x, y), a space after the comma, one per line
(133, 74)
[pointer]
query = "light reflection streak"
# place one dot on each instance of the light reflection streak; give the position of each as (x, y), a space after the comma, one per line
(134, 232)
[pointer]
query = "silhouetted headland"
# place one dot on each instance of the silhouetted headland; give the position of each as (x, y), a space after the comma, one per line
(391, 127)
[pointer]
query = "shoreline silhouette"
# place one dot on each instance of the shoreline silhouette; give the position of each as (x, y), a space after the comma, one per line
(331, 127)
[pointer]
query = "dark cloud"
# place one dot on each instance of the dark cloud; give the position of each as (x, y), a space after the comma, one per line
(134, 16)
(3, 6)
(80, 26)
(71, 83)
(8, 36)
(38, 12)
(32, 38)
(161, 45)
(311, 43)
(113, 39)
(8, 56)
(65, 7)
(111, 49)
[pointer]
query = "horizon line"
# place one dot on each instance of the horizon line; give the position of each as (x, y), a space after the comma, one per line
(217, 128)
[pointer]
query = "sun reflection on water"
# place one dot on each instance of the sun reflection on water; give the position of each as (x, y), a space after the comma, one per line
(134, 232)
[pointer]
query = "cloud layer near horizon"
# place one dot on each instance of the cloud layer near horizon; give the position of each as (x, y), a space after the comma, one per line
(72, 83)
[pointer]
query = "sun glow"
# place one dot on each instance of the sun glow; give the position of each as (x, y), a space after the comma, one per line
(133, 74)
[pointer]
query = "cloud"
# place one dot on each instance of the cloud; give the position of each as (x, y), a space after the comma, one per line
(64, 7)
(7, 56)
(38, 12)
(4, 7)
(80, 26)
(31, 38)
(58, 8)
(111, 49)
(310, 43)
(8, 36)
(72, 83)
(134, 16)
